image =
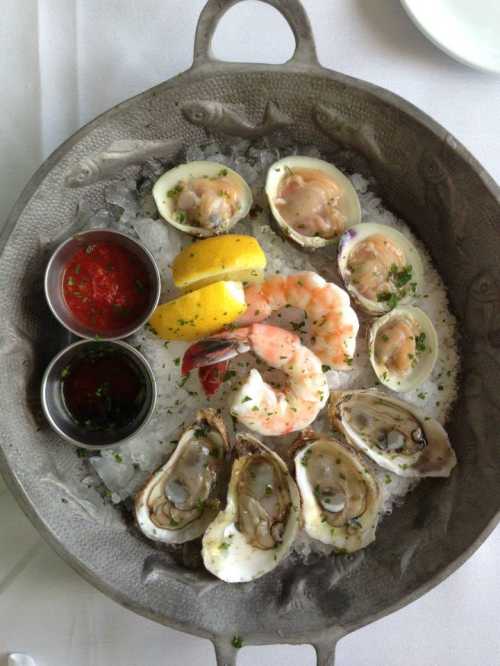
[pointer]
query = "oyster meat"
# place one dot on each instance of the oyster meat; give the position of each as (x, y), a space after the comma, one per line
(341, 500)
(255, 531)
(184, 495)
(202, 198)
(393, 433)
(380, 267)
(403, 347)
(311, 200)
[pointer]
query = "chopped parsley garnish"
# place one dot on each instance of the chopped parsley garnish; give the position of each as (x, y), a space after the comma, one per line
(174, 191)
(420, 342)
(82, 453)
(400, 277)
(224, 545)
(228, 375)
(223, 172)
(177, 361)
(246, 398)
(325, 368)
(237, 642)
(118, 458)
(387, 297)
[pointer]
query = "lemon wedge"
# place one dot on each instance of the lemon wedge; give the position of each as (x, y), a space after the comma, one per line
(199, 313)
(229, 257)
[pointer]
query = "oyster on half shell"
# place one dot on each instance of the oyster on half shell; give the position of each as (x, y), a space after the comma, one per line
(393, 433)
(202, 198)
(256, 530)
(184, 495)
(341, 499)
(311, 200)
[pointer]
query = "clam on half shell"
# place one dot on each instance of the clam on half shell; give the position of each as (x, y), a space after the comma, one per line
(202, 198)
(341, 499)
(255, 531)
(311, 200)
(393, 433)
(380, 267)
(403, 347)
(184, 495)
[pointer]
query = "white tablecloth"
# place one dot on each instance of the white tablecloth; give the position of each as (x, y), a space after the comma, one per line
(61, 63)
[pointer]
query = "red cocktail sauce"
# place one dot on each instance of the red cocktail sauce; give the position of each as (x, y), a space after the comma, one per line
(106, 287)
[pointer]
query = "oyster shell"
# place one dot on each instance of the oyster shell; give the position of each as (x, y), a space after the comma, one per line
(184, 495)
(255, 531)
(202, 198)
(403, 347)
(393, 433)
(380, 267)
(311, 200)
(341, 499)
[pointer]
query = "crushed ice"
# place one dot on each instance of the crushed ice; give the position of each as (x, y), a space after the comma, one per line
(130, 208)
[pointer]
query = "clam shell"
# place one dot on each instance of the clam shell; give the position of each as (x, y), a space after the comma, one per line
(171, 179)
(349, 203)
(361, 232)
(424, 360)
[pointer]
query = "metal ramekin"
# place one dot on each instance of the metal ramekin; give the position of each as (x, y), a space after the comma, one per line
(54, 272)
(58, 416)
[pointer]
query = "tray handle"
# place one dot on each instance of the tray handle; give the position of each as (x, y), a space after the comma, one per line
(227, 655)
(292, 11)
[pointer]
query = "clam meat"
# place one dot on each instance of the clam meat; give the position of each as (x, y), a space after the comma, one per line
(202, 198)
(311, 200)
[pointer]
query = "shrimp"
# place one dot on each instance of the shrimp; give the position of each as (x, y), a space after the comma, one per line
(334, 324)
(257, 405)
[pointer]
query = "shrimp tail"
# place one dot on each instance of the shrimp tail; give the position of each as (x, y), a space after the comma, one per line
(212, 376)
(215, 349)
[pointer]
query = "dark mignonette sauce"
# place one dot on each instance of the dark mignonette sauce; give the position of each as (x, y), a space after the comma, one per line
(102, 389)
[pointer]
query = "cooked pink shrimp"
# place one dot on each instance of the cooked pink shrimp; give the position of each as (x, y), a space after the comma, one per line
(257, 405)
(334, 324)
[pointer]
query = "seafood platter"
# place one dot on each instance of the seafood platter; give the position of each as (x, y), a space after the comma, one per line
(251, 360)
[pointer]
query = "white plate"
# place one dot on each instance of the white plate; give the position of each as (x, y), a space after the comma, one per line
(468, 30)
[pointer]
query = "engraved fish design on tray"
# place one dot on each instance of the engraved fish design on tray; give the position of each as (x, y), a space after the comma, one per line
(218, 117)
(483, 305)
(350, 134)
(110, 162)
